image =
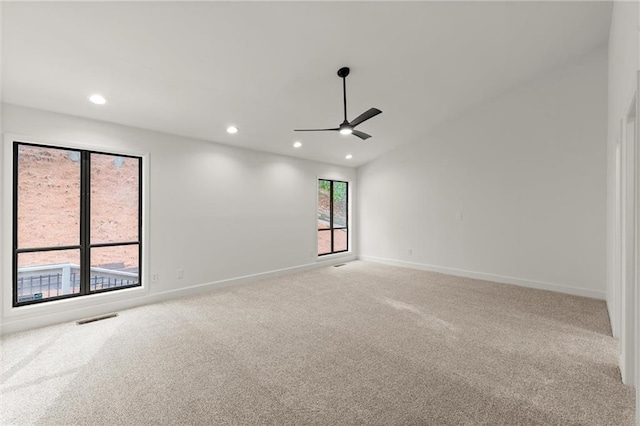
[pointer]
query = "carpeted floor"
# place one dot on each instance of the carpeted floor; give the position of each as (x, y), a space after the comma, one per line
(360, 344)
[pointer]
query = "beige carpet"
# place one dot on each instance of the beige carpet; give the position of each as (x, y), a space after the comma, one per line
(359, 344)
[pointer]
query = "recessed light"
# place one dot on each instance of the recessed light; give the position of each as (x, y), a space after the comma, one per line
(348, 156)
(297, 144)
(97, 99)
(232, 129)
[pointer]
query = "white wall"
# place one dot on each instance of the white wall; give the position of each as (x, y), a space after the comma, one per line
(218, 212)
(526, 171)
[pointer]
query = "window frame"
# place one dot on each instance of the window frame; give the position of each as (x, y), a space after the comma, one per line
(84, 240)
(333, 228)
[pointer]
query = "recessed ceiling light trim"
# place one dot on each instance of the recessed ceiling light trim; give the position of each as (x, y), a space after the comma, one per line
(97, 99)
(348, 156)
(297, 144)
(232, 130)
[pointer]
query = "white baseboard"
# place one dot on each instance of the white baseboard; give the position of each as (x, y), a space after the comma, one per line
(30, 321)
(540, 285)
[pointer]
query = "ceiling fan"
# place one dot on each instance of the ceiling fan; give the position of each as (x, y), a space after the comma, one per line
(347, 127)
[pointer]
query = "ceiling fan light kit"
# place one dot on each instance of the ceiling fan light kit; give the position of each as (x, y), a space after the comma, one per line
(347, 127)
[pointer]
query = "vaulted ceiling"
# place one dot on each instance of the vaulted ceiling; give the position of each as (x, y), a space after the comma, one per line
(191, 69)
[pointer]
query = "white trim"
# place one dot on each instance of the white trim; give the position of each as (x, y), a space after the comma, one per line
(521, 282)
(17, 137)
(20, 324)
(615, 305)
(629, 266)
(635, 314)
(335, 256)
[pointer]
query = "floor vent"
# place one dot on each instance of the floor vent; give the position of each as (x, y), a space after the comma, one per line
(94, 319)
(339, 265)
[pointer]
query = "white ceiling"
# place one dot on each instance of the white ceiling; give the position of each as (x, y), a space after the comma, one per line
(193, 68)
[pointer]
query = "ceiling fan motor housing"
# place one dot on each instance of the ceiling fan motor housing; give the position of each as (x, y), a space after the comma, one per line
(343, 72)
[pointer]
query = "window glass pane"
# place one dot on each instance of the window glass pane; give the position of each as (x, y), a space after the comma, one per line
(339, 240)
(113, 267)
(324, 242)
(42, 275)
(324, 204)
(48, 197)
(339, 204)
(114, 198)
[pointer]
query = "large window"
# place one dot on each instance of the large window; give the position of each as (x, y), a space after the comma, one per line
(333, 231)
(76, 222)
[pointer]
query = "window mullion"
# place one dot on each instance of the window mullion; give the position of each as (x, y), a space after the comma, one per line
(85, 190)
(331, 213)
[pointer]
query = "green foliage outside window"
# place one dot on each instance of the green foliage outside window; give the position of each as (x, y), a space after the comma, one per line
(339, 189)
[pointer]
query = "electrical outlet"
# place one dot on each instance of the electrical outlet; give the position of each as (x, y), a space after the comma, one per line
(154, 278)
(410, 252)
(179, 273)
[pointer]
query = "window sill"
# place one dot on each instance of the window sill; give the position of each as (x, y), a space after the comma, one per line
(75, 303)
(346, 255)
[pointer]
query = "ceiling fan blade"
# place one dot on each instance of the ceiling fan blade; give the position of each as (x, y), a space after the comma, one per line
(315, 130)
(372, 112)
(360, 134)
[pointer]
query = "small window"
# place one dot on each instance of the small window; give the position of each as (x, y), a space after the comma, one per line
(76, 222)
(333, 219)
